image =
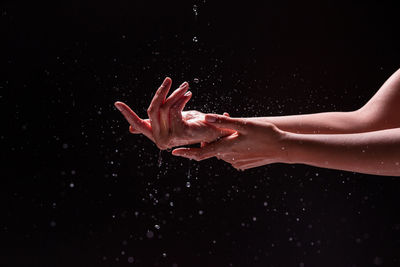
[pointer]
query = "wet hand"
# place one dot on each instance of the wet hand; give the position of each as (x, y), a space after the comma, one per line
(253, 143)
(168, 126)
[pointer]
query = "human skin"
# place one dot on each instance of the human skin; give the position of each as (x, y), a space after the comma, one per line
(168, 126)
(340, 128)
(257, 143)
(380, 112)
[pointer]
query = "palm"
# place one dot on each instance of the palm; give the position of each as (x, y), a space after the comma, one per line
(191, 130)
(168, 125)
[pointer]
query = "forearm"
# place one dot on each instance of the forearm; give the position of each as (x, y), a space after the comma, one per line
(375, 152)
(381, 112)
(321, 123)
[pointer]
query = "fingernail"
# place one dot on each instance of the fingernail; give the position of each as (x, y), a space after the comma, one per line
(166, 81)
(211, 118)
(183, 84)
(188, 93)
(117, 106)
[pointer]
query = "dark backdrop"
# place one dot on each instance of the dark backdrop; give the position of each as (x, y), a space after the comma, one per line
(79, 190)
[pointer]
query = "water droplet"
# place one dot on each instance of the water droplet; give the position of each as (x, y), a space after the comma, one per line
(201, 212)
(71, 185)
(196, 80)
(195, 39)
(157, 226)
(187, 184)
(160, 158)
(150, 234)
(131, 259)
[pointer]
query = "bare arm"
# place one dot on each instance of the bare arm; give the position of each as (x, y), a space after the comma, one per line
(381, 112)
(257, 143)
(376, 152)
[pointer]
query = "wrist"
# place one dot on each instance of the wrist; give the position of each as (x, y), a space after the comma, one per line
(290, 144)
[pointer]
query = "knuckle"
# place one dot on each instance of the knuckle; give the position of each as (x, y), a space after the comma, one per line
(150, 110)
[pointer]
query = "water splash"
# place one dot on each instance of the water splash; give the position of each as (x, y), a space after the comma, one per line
(160, 158)
(189, 175)
(195, 11)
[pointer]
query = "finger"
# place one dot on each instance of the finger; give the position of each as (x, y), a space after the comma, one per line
(250, 164)
(226, 122)
(176, 110)
(192, 153)
(133, 130)
(246, 166)
(165, 110)
(209, 151)
(162, 91)
(175, 96)
(153, 110)
(133, 119)
(244, 160)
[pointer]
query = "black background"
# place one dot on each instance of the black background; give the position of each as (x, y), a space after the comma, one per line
(78, 190)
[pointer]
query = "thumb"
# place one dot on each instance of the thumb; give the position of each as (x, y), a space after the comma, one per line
(226, 122)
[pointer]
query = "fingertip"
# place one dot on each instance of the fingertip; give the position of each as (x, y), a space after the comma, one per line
(118, 105)
(182, 151)
(167, 80)
(131, 129)
(176, 152)
(184, 85)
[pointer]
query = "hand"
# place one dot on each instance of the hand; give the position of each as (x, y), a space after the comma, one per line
(167, 125)
(253, 144)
